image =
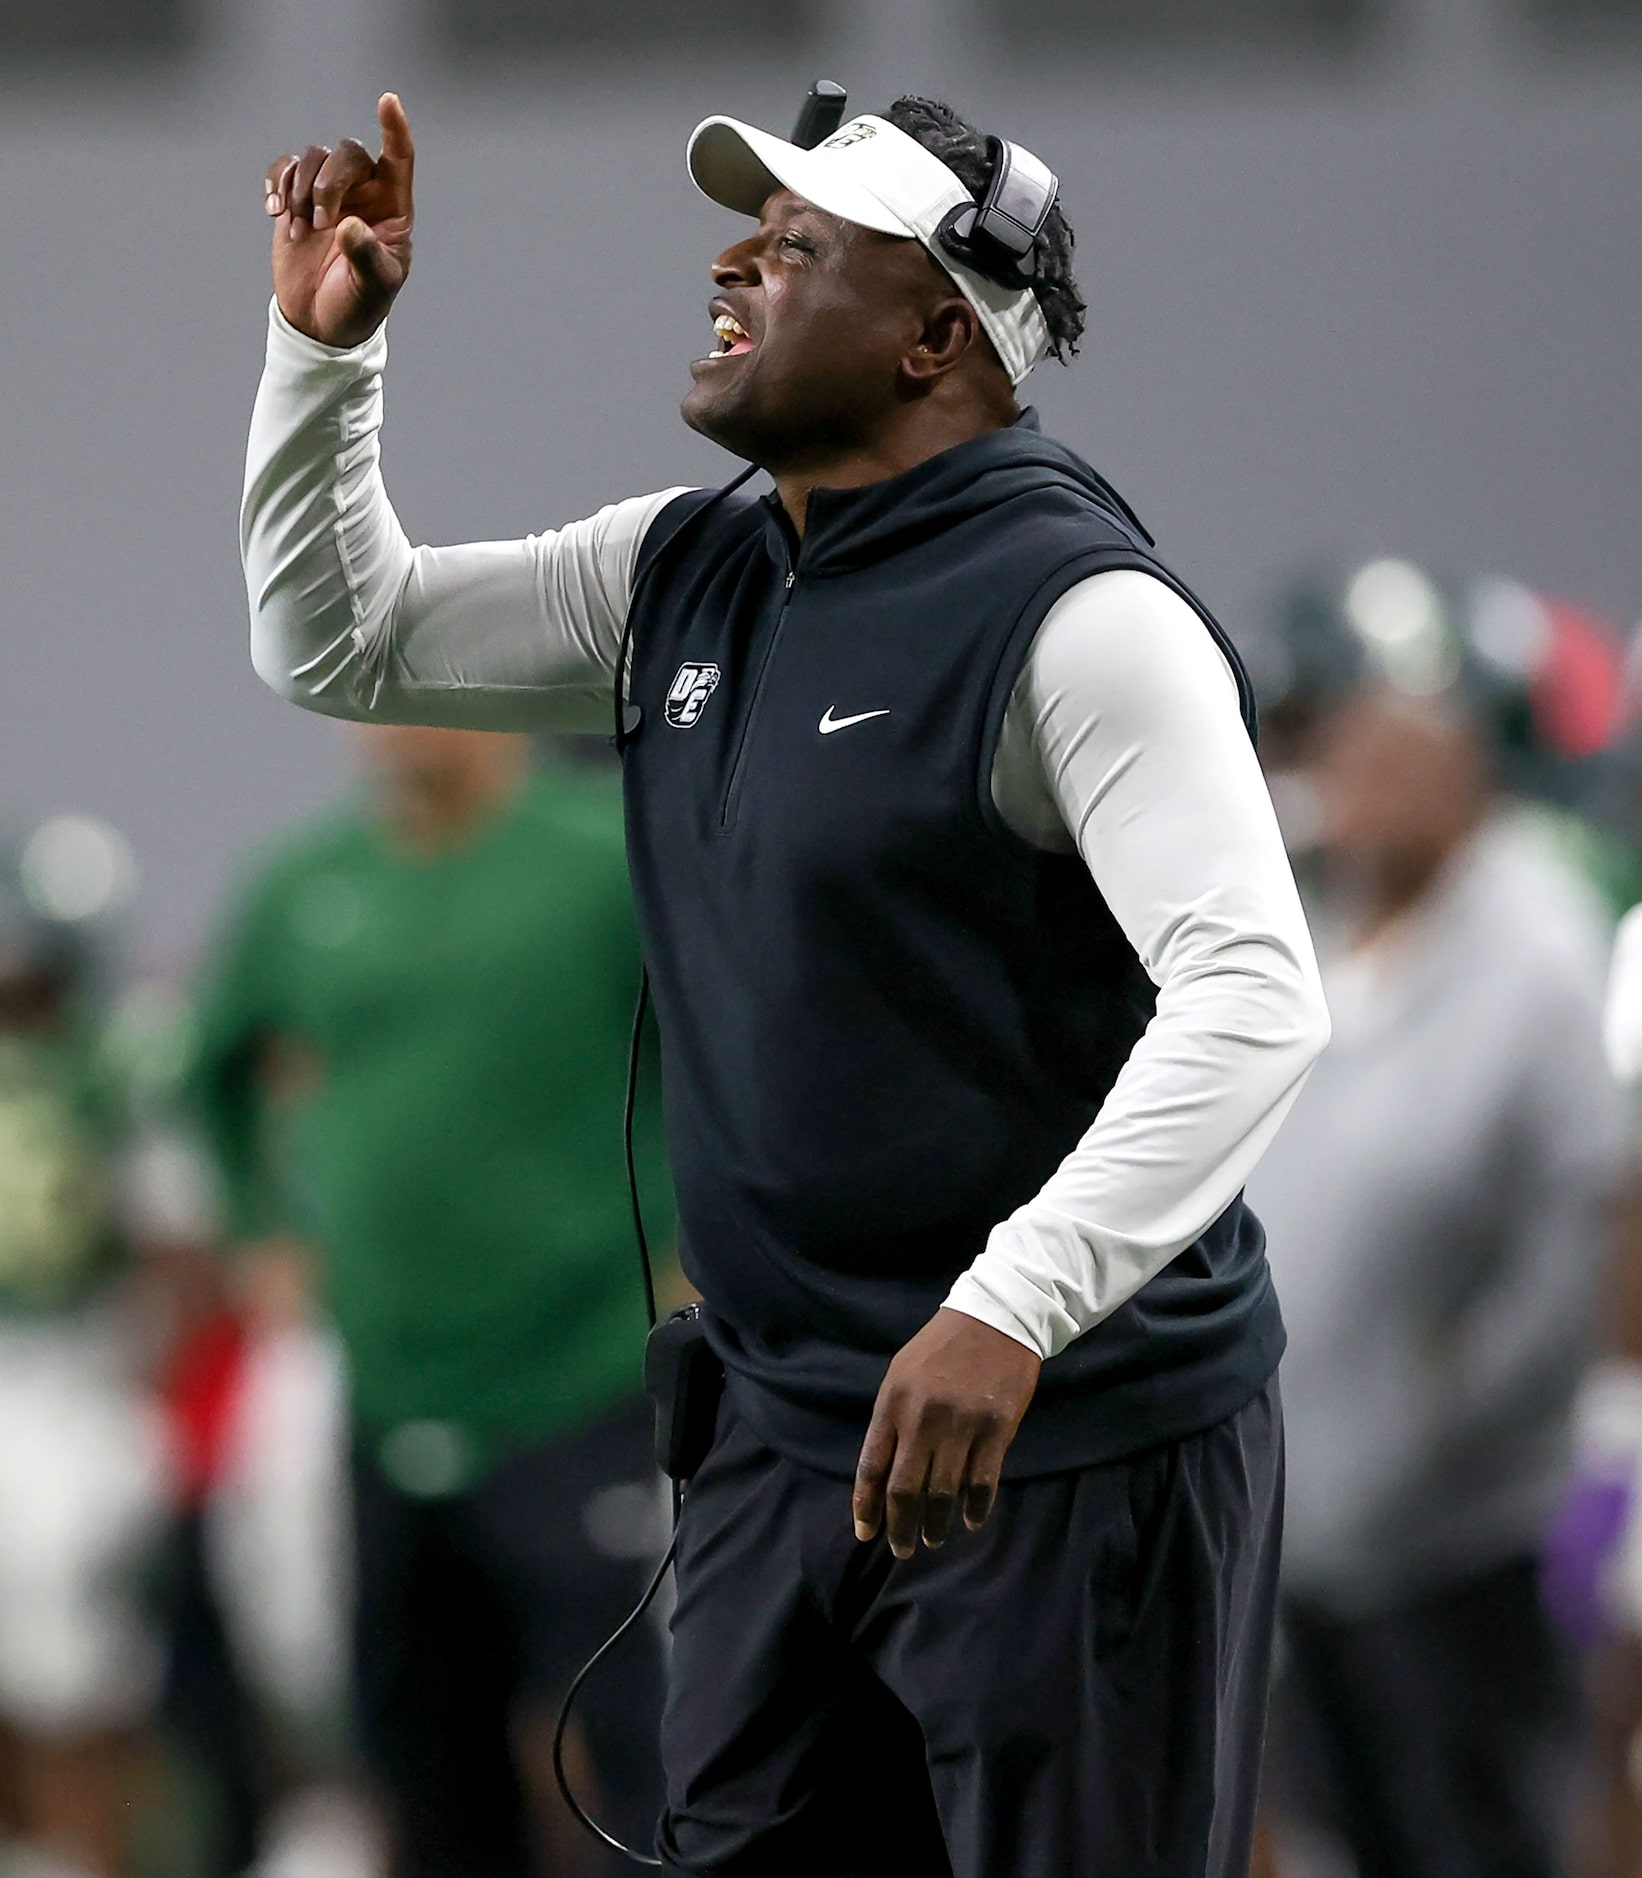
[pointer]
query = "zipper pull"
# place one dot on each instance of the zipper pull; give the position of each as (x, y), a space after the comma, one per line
(791, 577)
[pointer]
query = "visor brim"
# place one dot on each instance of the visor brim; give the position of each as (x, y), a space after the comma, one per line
(741, 167)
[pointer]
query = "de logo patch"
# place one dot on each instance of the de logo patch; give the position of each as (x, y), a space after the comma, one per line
(692, 686)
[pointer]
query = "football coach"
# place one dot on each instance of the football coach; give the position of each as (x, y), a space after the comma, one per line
(982, 984)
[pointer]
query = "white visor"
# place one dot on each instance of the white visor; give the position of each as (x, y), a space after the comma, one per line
(870, 173)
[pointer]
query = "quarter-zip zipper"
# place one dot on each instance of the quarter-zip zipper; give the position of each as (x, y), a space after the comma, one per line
(727, 810)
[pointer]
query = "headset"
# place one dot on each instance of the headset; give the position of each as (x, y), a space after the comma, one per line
(994, 238)
(997, 238)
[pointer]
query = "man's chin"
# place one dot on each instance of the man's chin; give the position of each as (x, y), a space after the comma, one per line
(713, 415)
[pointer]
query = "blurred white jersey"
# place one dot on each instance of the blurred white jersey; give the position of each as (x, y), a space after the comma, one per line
(83, 1497)
(1622, 1020)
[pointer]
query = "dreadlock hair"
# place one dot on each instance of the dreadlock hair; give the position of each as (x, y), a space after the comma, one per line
(962, 148)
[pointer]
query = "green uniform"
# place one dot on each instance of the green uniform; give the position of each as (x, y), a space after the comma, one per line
(459, 1027)
(58, 1240)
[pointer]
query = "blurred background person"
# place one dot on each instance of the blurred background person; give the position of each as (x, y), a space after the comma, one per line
(253, 1592)
(83, 1459)
(1438, 1227)
(1594, 1564)
(413, 1039)
(1595, 1558)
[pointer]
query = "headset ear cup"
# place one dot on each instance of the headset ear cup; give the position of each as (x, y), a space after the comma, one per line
(987, 236)
(959, 236)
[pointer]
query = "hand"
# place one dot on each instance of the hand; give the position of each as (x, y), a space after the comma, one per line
(275, 1283)
(342, 231)
(943, 1421)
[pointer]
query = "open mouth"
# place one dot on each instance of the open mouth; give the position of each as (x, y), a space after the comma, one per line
(732, 336)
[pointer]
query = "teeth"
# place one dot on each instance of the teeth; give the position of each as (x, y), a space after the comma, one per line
(729, 330)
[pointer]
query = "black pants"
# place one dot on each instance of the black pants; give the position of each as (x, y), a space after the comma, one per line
(205, 1707)
(473, 1613)
(1076, 1691)
(1438, 1739)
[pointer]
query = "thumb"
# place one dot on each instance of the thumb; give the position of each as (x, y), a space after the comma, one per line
(373, 263)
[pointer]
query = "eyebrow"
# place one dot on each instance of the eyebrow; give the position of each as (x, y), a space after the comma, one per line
(800, 208)
(826, 226)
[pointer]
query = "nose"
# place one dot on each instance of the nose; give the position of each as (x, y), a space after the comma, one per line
(737, 266)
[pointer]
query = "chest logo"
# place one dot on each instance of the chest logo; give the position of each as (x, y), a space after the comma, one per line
(692, 686)
(829, 723)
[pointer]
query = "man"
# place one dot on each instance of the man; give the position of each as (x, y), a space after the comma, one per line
(416, 1025)
(1595, 1558)
(1438, 1215)
(83, 1474)
(982, 984)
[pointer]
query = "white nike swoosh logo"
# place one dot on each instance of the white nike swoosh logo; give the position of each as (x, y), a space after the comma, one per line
(829, 723)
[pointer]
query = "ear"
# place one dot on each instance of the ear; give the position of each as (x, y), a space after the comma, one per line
(949, 332)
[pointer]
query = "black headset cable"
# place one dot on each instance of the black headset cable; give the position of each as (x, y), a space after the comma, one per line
(627, 719)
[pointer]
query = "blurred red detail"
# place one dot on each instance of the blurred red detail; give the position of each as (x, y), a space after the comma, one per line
(1577, 691)
(200, 1391)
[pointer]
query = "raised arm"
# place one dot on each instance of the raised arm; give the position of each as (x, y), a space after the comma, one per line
(347, 618)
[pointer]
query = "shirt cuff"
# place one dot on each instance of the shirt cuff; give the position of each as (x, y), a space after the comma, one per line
(977, 1298)
(287, 343)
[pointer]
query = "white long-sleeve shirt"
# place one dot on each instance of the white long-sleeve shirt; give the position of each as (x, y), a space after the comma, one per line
(1123, 739)
(1436, 1207)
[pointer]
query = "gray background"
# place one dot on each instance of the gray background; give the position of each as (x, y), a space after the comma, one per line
(1385, 304)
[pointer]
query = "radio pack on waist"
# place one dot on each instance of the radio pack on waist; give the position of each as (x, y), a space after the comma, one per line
(685, 1380)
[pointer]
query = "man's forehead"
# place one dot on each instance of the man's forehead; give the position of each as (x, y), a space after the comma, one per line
(786, 205)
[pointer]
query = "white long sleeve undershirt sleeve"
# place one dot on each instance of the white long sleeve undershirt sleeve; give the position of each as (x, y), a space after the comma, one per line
(1123, 738)
(1129, 715)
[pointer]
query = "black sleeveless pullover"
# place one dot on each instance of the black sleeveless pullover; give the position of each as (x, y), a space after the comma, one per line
(884, 1018)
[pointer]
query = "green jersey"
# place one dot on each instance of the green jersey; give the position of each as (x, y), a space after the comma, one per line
(454, 1035)
(58, 1239)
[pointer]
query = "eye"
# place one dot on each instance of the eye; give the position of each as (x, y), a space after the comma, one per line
(798, 244)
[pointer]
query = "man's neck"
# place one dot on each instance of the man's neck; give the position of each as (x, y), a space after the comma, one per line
(438, 816)
(928, 432)
(1398, 892)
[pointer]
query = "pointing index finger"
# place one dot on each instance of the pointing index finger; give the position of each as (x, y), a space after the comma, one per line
(398, 149)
